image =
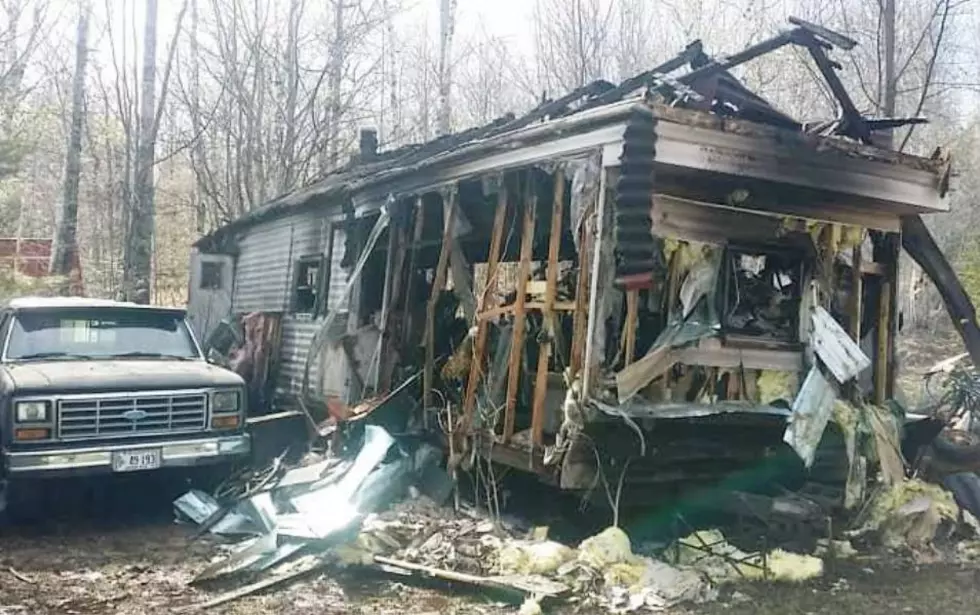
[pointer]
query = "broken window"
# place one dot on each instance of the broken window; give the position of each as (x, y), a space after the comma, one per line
(212, 273)
(763, 291)
(308, 286)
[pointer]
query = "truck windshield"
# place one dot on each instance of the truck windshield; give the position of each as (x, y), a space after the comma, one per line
(99, 334)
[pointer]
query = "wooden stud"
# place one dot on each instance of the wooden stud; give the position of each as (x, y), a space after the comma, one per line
(894, 243)
(497, 312)
(881, 356)
(483, 326)
(857, 288)
(388, 354)
(632, 315)
(547, 314)
(886, 252)
(437, 285)
(580, 319)
(517, 344)
(416, 239)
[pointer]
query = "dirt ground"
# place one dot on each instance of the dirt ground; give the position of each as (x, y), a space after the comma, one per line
(120, 553)
(138, 562)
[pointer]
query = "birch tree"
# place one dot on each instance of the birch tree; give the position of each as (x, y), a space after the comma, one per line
(447, 27)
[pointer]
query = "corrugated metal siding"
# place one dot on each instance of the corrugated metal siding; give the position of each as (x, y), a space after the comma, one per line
(297, 333)
(296, 336)
(264, 271)
(263, 282)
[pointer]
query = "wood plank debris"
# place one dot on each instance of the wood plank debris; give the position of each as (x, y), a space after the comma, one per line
(841, 354)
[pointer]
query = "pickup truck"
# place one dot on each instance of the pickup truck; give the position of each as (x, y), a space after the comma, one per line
(99, 387)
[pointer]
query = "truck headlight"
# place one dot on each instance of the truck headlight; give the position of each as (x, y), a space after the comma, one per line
(225, 401)
(31, 411)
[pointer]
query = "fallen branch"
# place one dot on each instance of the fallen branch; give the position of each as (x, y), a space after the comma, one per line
(526, 584)
(21, 577)
(247, 590)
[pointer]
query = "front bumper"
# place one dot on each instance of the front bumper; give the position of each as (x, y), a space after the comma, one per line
(175, 453)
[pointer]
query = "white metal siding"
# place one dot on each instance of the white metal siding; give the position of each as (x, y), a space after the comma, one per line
(297, 333)
(338, 275)
(266, 257)
(264, 277)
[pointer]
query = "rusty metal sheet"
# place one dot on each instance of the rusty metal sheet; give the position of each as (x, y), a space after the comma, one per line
(811, 411)
(842, 356)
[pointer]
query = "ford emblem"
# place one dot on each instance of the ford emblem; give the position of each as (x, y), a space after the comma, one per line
(134, 415)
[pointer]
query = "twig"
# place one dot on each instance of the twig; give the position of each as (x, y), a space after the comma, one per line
(619, 492)
(21, 577)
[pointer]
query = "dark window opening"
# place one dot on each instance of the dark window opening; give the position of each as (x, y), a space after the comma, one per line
(763, 293)
(212, 274)
(308, 287)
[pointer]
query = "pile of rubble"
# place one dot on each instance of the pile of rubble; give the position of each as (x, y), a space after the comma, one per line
(383, 507)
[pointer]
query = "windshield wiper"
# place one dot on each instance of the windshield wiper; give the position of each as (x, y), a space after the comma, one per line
(51, 355)
(139, 354)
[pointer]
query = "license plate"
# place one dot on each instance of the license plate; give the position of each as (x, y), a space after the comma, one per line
(134, 461)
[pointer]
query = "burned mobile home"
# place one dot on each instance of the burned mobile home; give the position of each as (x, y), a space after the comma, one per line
(667, 274)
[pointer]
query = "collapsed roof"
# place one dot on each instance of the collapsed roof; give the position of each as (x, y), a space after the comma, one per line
(691, 80)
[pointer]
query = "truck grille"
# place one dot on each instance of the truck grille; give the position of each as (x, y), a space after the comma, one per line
(122, 416)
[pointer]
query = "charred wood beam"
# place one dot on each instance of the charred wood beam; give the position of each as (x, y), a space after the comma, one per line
(547, 314)
(520, 321)
(834, 38)
(920, 245)
(437, 285)
(413, 257)
(854, 125)
(724, 63)
(857, 290)
(555, 108)
(647, 78)
(581, 317)
(632, 317)
(483, 327)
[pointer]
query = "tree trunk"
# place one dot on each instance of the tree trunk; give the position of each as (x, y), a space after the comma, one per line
(337, 57)
(394, 134)
(288, 156)
(65, 254)
(447, 24)
(198, 152)
(138, 270)
(889, 78)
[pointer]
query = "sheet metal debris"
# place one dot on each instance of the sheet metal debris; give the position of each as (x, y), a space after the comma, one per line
(841, 354)
(812, 409)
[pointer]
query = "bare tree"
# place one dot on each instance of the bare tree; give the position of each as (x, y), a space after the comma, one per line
(574, 41)
(138, 255)
(65, 254)
(447, 26)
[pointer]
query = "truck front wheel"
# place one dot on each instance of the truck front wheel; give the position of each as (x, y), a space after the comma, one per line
(18, 502)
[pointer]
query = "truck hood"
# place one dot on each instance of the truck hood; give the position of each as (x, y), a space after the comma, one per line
(124, 375)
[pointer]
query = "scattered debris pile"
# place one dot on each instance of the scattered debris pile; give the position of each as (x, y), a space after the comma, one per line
(349, 511)
(379, 504)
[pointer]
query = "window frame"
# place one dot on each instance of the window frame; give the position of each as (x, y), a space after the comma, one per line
(220, 278)
(319, 261)
(730, 253)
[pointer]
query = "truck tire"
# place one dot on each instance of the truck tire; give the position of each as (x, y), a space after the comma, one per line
(957, 446)
(966, 490)
(18, 503)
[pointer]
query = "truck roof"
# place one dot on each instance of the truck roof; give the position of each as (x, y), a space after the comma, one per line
(43, 303)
